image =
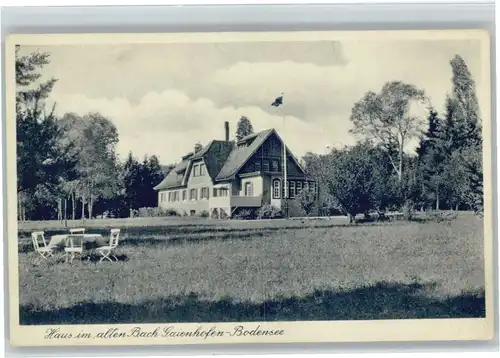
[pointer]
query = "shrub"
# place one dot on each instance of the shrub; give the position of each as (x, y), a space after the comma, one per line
(204, 214)
(154, 212)
(170, 212)
(269, 211)
(215, 214)
(245, 214)
(223, 215)
(306, 201)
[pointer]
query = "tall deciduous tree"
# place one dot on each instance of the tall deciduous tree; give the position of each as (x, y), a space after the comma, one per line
(42, 162)
(94, 138)
(243, 128)
(385, 118)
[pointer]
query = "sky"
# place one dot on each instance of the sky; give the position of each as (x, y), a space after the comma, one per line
(165, 97)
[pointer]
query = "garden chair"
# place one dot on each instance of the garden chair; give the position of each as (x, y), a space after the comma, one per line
(74, 244)
(45, 251)
(107, 251)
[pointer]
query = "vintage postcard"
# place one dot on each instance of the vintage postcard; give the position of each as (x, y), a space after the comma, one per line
(263, 187)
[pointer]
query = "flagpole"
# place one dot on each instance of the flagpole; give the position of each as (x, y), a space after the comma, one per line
(285, 183)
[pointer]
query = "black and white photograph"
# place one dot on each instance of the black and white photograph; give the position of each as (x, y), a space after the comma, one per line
(248, 180)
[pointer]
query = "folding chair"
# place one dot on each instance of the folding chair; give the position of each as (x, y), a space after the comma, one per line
(45, 251)
(74, 244)
(107, 251)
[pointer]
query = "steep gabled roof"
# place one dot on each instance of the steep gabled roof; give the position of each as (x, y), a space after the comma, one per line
(223, 159)
(174, 177)
(214, 155)
(242, 153)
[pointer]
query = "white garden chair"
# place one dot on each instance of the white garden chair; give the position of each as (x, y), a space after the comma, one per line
(107, 251)
(74, 244)
(45, 251)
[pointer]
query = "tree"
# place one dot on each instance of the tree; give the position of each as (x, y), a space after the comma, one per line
(466, 115)
(243, 128)
(42, 160)
(29, 93)
(139, 179)
(473, 163)
(384, 189)
(94, 139)
(316, 166)
(347, 175)
(431, 158)
(384, 118)
(307, 200)
(468, 134)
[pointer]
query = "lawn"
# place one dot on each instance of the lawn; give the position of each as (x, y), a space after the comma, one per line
(253, 271)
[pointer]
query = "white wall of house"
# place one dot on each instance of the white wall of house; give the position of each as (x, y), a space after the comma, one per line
(192, 199)
(252, 186)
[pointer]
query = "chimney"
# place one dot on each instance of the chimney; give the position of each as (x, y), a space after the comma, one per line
(226, 129)
(197, 147)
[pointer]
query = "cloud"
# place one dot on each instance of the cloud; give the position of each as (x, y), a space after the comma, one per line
(165, 97)
(168, 124)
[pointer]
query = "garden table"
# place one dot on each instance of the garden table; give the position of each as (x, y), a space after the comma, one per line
(62, 240)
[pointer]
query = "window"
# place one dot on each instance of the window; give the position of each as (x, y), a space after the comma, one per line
(312, 186)
(176, 196)
(276, 188)
(306, 185)
(257, 166)
(223, 192)
(292, 189)
(169, 196)
(299, 187)
(204, 193)
(275, 166)
(202, 169)
(184, 194)
(193, 194)
(195, 170)
(266, 165)
(249, 189)
(215, 192)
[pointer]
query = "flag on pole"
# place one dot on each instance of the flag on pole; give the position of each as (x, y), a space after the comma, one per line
(278, 101)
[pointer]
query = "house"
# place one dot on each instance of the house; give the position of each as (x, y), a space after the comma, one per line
(224, 176)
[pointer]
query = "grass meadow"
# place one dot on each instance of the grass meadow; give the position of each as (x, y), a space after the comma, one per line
(221, 271)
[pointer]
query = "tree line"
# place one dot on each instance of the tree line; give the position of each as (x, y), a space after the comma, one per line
(67, 167)
(377, 174)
